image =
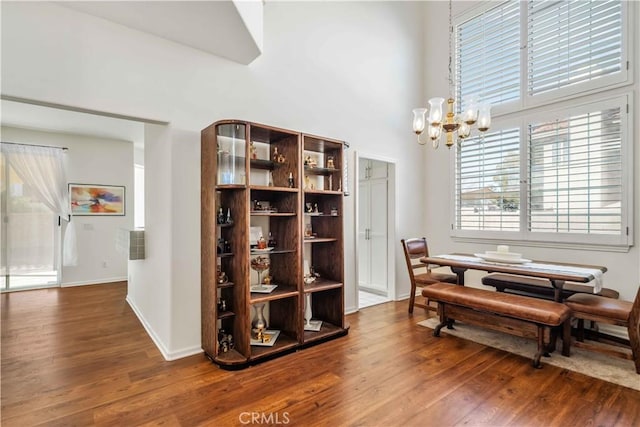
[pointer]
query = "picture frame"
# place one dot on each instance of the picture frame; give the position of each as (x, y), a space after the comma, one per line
(97, 200)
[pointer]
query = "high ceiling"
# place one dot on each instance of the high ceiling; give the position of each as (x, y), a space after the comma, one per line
(228, 29)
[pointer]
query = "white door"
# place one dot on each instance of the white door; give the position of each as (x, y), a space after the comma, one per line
(372, 230)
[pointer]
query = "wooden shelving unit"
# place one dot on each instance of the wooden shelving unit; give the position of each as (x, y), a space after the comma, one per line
(263, 179)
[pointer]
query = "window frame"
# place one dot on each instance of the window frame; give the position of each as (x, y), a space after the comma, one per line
(526, 101)
(560, 239)
(534, 108)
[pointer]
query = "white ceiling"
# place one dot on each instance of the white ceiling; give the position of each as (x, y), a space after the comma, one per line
(36, 117)
(215, 27)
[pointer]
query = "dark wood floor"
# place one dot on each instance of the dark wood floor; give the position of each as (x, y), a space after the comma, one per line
(79, 356)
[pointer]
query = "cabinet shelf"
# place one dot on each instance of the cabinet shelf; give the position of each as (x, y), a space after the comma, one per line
(231, 357)
(258, 213)
(322, 285)
(225, 314)
(225, 254)
(262, 164)
(320, 171)
(278, 293)
(326, 331)
(284, 342)
(230, 187)
(273, 252)
(322, 192)
(321, 240)
(225, 285)
(274, 189)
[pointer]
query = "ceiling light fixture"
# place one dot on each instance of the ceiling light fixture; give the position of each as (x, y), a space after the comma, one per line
(475, 112)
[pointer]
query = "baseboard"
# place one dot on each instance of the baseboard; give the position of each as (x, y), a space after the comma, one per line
(166, 354)
(94, 282)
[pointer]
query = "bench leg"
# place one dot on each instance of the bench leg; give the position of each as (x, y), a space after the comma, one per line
(444, 320)
(541, 348)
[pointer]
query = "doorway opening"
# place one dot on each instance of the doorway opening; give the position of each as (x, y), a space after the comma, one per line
(375, 230)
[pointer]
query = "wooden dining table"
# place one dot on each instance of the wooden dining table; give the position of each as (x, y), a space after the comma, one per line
(556, 272)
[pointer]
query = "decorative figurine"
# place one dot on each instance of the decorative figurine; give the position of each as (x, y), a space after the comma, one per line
(315, 208)
(222, 277)
(330, 164)
(270, 179)
(309, 207)
(262, 244)
(220, 246)
(334, 211)
(291, 183)
(271, 242)
(308, 231)
(220, 218)
(229, 220)
(252, 150)
(307, 182)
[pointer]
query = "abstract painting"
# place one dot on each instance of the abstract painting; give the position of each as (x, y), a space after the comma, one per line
(89, 199)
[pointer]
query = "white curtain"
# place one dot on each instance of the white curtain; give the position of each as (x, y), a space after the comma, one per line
(42, 169)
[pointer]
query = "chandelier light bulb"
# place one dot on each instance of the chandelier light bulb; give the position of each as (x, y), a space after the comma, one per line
(470, 114)
(434, 132)
(484, 117)
(464, 130)
(419, 120)
(435, 111)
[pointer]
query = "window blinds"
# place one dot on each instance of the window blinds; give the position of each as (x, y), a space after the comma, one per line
(487, 54)
(488, 182)
(575, 174)
(570, 42)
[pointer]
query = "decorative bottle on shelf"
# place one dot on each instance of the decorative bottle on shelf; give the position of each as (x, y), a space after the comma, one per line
(271, 242)
(220, 217)
(259, 323)
(291, 180)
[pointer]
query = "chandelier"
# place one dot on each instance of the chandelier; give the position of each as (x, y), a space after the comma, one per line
(435, 121)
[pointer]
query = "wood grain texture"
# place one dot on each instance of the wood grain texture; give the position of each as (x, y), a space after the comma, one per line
(79, 356)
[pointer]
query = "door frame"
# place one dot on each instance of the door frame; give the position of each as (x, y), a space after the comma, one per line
(392, 225)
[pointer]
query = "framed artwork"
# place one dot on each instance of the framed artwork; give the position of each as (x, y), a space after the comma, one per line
(93, 199)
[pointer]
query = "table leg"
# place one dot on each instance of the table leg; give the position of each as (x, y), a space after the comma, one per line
(459, 271)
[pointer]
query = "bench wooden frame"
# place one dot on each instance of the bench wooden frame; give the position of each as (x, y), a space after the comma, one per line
(507, 321)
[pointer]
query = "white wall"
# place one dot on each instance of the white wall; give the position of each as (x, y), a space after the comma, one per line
(347, 70)
(621, 276)
(92, 160)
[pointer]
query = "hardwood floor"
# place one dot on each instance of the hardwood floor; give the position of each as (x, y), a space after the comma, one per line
(79, 356)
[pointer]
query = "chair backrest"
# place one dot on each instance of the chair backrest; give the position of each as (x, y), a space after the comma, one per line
(414, 248)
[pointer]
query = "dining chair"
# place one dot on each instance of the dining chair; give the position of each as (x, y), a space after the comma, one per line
(611, 311)
(414, 249)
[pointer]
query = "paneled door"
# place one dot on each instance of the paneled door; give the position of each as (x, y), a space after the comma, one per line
(372, 226)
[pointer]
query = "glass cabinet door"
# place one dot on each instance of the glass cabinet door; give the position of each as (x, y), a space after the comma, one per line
(231, 154)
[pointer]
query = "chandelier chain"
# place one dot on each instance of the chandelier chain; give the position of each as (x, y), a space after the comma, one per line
(451, 89)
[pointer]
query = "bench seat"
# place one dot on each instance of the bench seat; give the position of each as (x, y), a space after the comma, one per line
(540, 288)
(514, 314)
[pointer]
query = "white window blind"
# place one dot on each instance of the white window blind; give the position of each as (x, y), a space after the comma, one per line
(488, 54)
(488, 182)
(571, 42)
(575, 180)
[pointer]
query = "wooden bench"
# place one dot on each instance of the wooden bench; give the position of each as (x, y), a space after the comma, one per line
(539, 288)
(513, 314)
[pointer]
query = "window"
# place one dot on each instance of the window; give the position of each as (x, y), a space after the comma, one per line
(555, 165)
(566, 47)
